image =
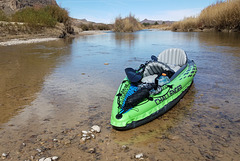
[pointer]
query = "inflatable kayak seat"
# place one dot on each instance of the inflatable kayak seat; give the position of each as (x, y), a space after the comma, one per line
(174, 58)
(155, 68)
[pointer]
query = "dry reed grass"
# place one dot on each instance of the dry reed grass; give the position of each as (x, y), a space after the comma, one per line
(127, 24)
(220, 15)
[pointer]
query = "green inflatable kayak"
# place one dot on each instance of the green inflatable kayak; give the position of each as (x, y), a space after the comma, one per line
(153, 89)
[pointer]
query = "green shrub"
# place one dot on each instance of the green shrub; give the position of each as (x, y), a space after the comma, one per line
(3, 16)
(146, 24)
(92, 26)
(34, 17)
(46, 16)
(60, 14)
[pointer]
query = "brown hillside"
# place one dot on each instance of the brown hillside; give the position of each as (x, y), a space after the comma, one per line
(11, 6)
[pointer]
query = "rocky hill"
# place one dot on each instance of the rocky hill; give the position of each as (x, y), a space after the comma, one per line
(151, 22)
(11, 6)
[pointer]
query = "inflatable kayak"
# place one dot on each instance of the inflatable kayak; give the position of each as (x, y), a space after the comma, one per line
(153, 89)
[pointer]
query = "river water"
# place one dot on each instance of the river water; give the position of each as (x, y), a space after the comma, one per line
(54, 90)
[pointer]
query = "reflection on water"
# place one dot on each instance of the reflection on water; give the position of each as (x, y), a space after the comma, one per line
(71, 85)
(125, 39)
(23, 70)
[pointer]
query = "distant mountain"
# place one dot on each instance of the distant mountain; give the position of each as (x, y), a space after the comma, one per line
(151, 22)
(11, 6)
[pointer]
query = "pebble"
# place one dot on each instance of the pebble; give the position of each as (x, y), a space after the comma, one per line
(92, 150)
(4, 154)
(84, 132)
(139, 156)
(39, 150)
(55, 158)
(90, 132)
(42, 159)
(48, 159)
(55, 140)
(83, 139)
(96, 128)
(125, 147)
(87, 135)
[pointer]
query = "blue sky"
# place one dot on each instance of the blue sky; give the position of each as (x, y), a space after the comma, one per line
(106, 11)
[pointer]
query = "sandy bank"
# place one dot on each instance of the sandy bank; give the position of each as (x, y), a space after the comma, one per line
(30, 40)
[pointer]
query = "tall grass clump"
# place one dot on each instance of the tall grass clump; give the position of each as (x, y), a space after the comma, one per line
(127, 24)
(44, 16)
(187, 24)
(220, 15)
(3, 16)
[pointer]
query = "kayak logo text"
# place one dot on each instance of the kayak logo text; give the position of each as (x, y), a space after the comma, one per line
(169, 94)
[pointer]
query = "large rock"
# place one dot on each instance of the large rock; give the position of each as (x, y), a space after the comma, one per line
(11, 6)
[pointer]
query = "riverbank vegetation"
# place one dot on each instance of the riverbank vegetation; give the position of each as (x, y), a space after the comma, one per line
(3, 16)
(127, 24)
(222, 15)
(50, 20)
(94, 26)
(45, 16)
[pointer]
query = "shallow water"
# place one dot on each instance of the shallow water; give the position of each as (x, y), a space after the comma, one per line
(57, 89)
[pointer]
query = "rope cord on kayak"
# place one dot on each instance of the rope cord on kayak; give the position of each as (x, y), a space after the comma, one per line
(169, 87)
(120, 94)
